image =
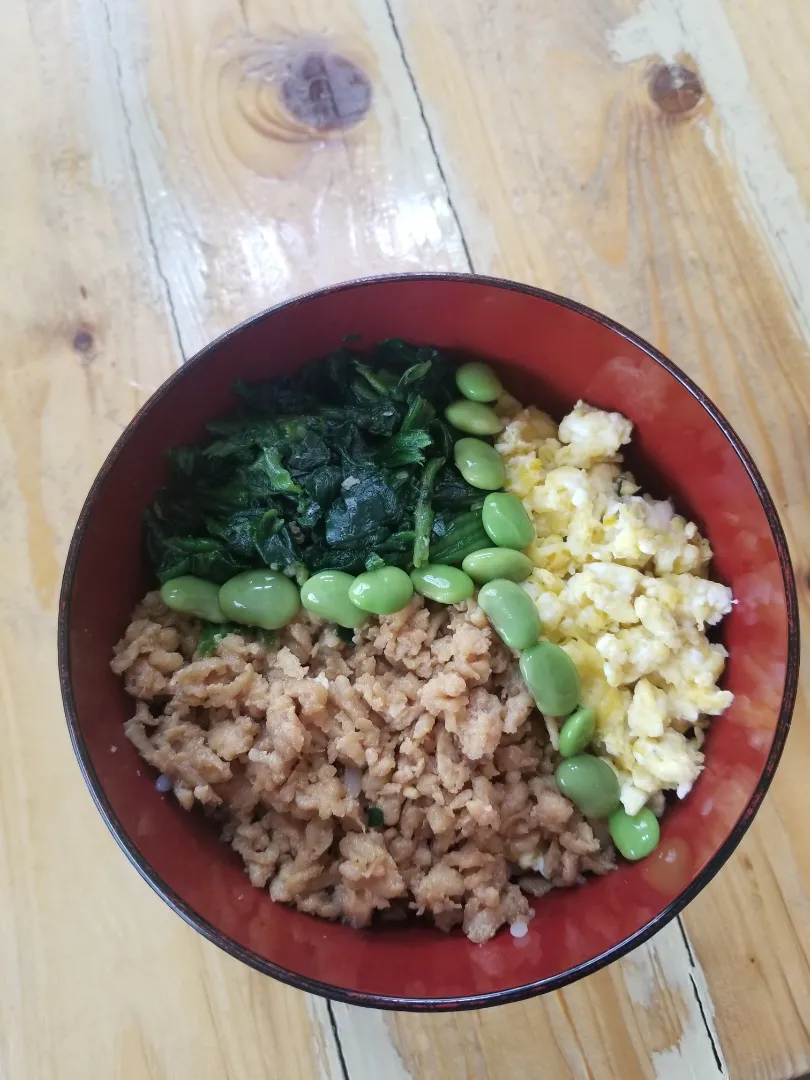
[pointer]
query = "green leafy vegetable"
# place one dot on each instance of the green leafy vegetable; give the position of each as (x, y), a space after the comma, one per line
(375, 817)
(213, 633)
(343, 465)
(457, 537)
(423, 516)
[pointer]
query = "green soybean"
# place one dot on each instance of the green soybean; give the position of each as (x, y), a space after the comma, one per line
(511, 611)
(480, 464)
(590, 784)
(326, 594)
(506, 522)
(262, 598)
(478, 382)
(193, 596)
(444, 584)
(552, 676)
(495, 562)
(473, 417)
(577, 732)
(636, 836)
(382, 591)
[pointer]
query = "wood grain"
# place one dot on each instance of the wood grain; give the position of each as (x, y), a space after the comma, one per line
(141, 218)
(774, 44)
(246, 205)
(159, 191)
(585, 186)
(98, 978)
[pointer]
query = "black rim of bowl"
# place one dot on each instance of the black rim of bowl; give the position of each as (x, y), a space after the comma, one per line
(498, 997)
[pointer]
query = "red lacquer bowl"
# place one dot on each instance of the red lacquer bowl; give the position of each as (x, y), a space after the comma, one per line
(551, 352)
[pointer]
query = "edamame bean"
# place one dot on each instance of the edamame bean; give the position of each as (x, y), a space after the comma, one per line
(511, 611)
(636, 836)
(382, 591)
(552, 676)
(444, 584)
(473, 417)
(496, 562)
(480, 464)
(590, 783)
(326, 594)
(506, 522)
(577, 732)
(193, 596)
(478, 382)
(262, 598)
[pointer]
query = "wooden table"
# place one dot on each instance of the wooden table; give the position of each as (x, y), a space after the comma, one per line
(171, 167)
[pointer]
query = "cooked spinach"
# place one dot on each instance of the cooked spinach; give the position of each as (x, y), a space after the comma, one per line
(213, 633)
(342, 465)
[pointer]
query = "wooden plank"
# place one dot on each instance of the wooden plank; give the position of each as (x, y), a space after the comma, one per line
(772, 871)
(99, 978)
(774, 41)
(369, 1049)
(247, 205)
(134, 229)
(564, 172)
(767, 182)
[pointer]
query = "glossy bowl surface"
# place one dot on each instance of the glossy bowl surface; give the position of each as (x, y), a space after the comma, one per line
(551, 352)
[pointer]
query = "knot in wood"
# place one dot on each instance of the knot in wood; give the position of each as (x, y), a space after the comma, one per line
(675, 88)
(326, 91)
(83, 341)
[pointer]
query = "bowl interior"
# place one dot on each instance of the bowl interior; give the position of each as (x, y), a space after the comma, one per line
(550, 354)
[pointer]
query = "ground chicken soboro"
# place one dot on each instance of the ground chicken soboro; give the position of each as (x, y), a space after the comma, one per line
(424, 717)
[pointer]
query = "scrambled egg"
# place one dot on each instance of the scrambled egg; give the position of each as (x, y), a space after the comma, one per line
(620, 583)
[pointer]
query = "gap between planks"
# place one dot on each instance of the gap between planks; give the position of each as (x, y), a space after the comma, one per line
(353, 1043)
